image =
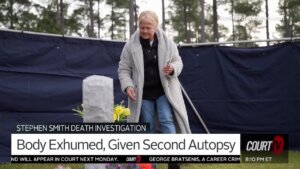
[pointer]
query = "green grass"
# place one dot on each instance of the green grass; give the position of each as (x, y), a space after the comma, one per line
(294, 163)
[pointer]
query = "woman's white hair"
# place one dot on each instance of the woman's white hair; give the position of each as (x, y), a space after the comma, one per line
(148, 16)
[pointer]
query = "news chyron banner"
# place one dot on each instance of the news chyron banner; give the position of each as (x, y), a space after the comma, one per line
(118, 143)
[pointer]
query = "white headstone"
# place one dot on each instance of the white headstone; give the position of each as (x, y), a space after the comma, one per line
(98, 99)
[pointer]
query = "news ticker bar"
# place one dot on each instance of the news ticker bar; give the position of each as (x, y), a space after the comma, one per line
(126, 159)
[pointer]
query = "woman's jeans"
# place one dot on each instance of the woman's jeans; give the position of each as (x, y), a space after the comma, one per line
(164, 112)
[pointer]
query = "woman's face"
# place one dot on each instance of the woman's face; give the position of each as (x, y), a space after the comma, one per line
(147, 30)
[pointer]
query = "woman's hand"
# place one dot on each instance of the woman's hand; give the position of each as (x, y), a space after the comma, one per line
(168, 70)
(131, 93)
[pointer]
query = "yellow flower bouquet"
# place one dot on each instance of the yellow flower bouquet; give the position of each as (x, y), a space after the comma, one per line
(121, 113)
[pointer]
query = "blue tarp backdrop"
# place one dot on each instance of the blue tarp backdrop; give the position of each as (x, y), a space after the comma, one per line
(236, 90)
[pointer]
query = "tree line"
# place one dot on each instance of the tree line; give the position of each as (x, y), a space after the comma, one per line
(191, 21)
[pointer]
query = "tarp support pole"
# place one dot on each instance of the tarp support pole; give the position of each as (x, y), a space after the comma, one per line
(195, 110)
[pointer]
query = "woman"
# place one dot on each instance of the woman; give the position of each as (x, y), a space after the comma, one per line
(148, 73)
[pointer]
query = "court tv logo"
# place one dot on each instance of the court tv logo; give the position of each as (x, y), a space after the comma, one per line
(264, 148)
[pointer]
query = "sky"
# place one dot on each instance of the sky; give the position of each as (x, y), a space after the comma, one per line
(224, 16)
